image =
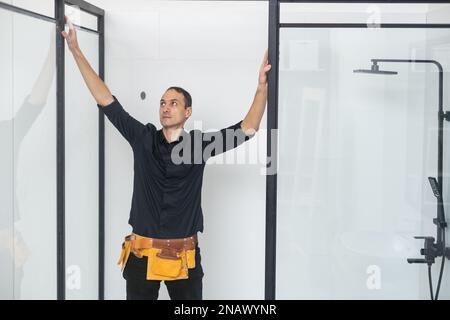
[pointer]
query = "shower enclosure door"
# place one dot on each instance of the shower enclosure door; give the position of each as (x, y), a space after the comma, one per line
(51, 166)
(28, 157)
(355, 151)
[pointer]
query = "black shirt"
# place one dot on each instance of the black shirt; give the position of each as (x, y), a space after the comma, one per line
(168, 177)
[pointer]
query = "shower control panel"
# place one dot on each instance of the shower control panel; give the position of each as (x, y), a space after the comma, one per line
(434, 187)
(431, 249)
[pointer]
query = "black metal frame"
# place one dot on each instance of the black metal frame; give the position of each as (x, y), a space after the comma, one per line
(60, 154)
(60, 134)
(272, 112)
(100, 14)
(101, 165)
(59, 16)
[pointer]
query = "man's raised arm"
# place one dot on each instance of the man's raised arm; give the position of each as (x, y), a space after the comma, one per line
(96, 86)
(217, 142)
(130, 128)
(252, 120)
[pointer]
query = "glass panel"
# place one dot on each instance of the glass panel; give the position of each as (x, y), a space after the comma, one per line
(81, 176)
(438, 13)
(44, 7)
(6, 158)
(34, 141)
(355, 153)
(370, 13)
(81, 18)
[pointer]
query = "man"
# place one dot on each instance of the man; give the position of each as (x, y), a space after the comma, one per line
(166, 212)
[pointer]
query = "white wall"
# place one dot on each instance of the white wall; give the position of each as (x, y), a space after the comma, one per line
(213, 50)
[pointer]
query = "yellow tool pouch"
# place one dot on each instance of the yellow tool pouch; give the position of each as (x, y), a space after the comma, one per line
(190, 257)
(124, 255)
(166, 263)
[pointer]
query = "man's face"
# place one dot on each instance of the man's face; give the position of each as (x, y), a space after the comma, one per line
(172, 111)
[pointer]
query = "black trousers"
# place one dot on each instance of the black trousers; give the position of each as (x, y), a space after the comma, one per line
(139, 288)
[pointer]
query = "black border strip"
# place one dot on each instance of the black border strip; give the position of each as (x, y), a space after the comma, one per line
(86, 7)
(60, 153)
(271, 180)
(365, 25)
(368, 2)
(101, 172)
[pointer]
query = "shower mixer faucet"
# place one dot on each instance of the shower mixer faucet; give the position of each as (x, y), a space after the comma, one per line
(432, 250)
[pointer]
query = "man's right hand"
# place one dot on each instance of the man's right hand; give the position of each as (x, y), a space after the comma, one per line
(70, 37)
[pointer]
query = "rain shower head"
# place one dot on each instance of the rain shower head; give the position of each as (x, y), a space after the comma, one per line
(375, 70)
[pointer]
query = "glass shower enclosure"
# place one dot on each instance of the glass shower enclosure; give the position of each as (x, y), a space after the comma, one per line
(52, 159)
(354, 149)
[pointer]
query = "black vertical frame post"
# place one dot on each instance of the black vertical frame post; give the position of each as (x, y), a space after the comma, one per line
(272, 152)
(60, 152)
(101, 165)
(440, 217)
(59, 16)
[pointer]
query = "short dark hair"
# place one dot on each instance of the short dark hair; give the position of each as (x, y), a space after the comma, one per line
(187, 96)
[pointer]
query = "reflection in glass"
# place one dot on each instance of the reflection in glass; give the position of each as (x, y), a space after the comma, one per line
(6, 159)
(28, 174)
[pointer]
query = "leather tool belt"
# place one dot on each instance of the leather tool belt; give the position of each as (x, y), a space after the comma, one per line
(168, 259)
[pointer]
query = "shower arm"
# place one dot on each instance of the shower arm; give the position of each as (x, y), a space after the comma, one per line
(439, 221)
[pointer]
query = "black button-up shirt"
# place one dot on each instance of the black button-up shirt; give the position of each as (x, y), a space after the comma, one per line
(168, 177)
